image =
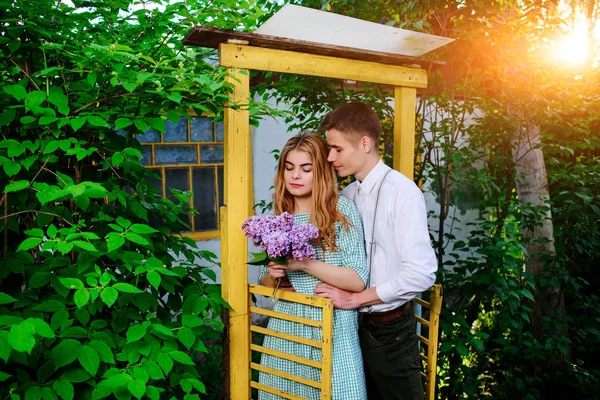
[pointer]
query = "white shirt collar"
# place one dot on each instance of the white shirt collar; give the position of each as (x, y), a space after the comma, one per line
(367, 185)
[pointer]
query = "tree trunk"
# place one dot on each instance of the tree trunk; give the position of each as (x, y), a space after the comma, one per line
(532, 188)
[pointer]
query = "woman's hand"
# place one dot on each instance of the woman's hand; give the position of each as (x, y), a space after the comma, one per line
(276, 270)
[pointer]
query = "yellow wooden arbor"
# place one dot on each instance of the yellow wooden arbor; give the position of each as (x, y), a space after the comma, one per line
(240, 53)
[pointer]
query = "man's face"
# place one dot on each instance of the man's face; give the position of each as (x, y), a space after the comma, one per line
(347, 158)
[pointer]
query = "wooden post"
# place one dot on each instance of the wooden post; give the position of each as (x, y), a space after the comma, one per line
(405, 104)
(234, 245)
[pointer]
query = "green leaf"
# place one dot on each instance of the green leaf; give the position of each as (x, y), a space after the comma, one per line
(11, 168)
(27, 119)
(258, 258)
(181, 357)
(6, 299)
(135, 332)
(7, 116)
(29, 243)
(135, 238)
(75, 375)
(22, 336)
(85, 245)
(48, 393)
(137, 388)
(89, 360)
(95, 120)
(33, 393)
(104, 352)
(121, 123)
(187, 337)
(71, 283)
(16, 186)
(65, 352)
(109, 296)
(64, 389)
(115, 242)
(126, 288)
(527, 294)
(16, 91)
(153, 370)
(142, 229)
(162, 329)
(4, 376)
(81, 297)
(5, 347)
(49, 306)
(41, 327)
(154, 279)
(34, 98)
(165, 362)
(77, 123)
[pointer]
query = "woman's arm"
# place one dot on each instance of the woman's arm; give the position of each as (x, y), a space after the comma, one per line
(274, 272)
(340, 277)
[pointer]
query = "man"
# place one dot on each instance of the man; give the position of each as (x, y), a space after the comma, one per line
(401, 260)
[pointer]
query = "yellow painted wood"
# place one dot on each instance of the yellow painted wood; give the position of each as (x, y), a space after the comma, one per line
(432, 349)
(422, 302)
(287, 317)
(277, 392)
(422, 321)
(405, 103)
(287, 356)
(423, 339)
(285, 375)
(327, 351)
(290, 296)
(235, 254)
(286, 336)
(259, 58)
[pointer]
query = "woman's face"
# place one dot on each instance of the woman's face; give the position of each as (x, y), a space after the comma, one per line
(298, 174)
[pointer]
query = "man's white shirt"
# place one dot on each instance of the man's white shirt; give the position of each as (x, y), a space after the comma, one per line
(403, 263)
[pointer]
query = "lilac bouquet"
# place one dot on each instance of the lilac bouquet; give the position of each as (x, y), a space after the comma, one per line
(279, 238)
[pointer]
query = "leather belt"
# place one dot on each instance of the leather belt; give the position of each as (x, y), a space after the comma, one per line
(385, 316)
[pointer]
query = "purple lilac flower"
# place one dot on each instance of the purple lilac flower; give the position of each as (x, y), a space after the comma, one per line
(279, 237)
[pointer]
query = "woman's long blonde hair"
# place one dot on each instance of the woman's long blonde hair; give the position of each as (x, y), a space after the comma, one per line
(323, 202)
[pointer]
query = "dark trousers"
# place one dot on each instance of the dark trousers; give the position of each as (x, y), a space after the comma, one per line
(391, 356)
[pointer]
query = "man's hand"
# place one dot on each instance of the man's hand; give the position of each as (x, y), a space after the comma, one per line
(341, 298)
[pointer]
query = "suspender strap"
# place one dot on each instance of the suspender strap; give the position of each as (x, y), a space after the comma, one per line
(372, 241)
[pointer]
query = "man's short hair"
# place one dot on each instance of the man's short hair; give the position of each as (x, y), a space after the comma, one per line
(357, 119)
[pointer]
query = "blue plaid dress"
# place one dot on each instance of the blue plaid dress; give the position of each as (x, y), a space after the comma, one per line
(348, 380)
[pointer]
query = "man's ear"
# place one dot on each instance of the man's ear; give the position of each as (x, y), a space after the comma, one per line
(366, 143)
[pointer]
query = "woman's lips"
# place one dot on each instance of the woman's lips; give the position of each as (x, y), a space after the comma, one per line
(295, 185)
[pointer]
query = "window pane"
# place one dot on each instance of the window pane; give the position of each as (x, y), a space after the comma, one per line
(177, 178)
(220, 181)
(146, 155)
(211, 154)
(175, 155)
(220, 134)
(203, 181)
(149, 136)
(176, 132)
(201, 130)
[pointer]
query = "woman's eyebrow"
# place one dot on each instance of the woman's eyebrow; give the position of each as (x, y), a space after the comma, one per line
(302, 165)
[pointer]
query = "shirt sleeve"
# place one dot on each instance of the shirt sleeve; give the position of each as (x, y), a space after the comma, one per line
(351, 240)
(418, 263)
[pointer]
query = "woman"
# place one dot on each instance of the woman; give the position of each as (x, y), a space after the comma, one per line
(306, 186)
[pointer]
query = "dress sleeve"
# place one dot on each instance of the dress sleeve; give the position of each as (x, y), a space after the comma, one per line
(351, 240)
(263, 270)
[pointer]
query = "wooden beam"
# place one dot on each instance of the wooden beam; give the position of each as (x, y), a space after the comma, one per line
(234, 250)
(248, 57)
(405, 104)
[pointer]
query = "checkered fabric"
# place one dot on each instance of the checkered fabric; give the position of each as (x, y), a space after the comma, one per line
(348, 376)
